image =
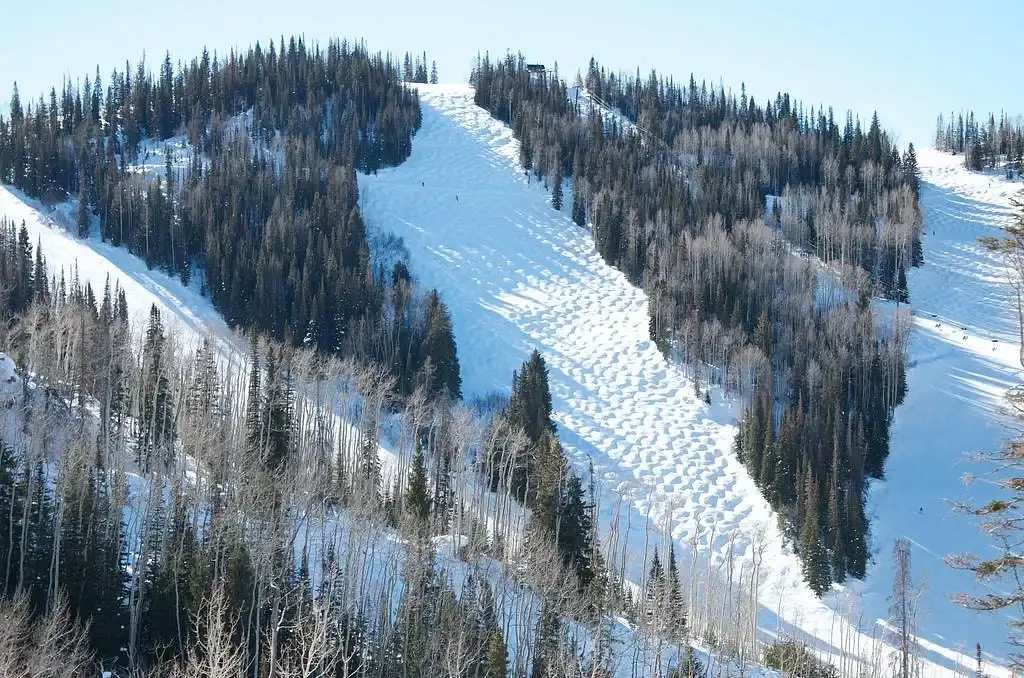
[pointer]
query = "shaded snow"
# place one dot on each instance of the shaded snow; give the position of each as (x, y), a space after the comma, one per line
(963, 356)
(518, 275)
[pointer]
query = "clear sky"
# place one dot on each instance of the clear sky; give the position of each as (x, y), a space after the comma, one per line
(907, 59)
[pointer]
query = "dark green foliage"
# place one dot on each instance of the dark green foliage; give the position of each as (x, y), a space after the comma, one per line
(438, 350)
(556, 190)
(496, 660)
(281, 245)
(983, 143)
(545, 644)
(816, 566)
(156, 412)
(560, 511)
(529, 405)
(822, 373)
(417, 495)
(277, 413)
(795, 659)
(83, 213)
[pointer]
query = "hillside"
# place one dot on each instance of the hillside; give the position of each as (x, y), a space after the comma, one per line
(660, 453)
(519, 275)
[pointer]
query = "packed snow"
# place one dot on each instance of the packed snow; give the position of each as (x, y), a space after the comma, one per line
(519, 275)
(964, 354)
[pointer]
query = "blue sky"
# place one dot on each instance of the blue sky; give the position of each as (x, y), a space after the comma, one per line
(908, 59)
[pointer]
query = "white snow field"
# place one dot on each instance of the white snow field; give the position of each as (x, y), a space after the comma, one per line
(964, 354)
(519, 275)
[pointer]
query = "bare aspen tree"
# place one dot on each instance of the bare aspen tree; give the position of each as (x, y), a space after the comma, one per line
(903, 611)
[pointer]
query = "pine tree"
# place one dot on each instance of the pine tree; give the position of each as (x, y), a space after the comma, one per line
(496, 657)
(156, 416)
(254, 404)
(545, 644)
(203, 396)
(529, 406)
(675, 592)
(556, 189)
(417, 495)
(277, 413)
(815, 564)
(83, 212)
(439, 351)
(655, 589)
(433, 73)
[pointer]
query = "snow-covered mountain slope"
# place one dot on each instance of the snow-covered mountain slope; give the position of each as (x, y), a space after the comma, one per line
(518, 275)
(963, 357)
(182, 307)
(191, 316)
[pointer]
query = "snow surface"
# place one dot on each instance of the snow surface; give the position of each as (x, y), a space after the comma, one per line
(518, 275)
(963, 357)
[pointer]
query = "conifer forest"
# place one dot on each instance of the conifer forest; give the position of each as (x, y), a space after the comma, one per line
(318, 491)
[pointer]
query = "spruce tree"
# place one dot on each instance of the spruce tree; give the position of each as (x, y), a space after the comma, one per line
(556, 189)
(496, 657)
(83, 212)
(254, 404)
(156, 416)
(438, 347)
(816, 566)
(417, 496)
(529, 406)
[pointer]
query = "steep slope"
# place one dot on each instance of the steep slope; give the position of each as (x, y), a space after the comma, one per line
(963, 356)
(518, 275)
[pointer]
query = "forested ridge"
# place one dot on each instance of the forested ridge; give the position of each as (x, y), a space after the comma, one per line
(266, 216)
(680, 208)
(167, 516)
(266, 221)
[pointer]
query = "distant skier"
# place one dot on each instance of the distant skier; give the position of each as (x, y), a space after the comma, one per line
(456, 197)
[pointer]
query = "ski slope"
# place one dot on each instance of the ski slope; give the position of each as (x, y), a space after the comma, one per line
(518, 275)
(963, 357)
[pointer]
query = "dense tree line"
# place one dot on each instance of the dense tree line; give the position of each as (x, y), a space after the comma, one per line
(983, 143)
(679, 205)
(266, 214)
(172, 502)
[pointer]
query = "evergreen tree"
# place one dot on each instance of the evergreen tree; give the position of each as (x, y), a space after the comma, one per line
(816, 566)
(496, 658)
(277, 413)
(417, 497)
(83, 212)
(254, 404)
(156, 415)
(556, 189)
(529, 406)
(438, 350)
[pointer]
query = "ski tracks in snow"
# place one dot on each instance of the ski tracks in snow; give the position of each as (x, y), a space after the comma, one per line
(519, 275)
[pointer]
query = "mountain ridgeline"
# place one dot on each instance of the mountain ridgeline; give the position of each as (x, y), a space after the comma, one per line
(266, 216)
(679, 206)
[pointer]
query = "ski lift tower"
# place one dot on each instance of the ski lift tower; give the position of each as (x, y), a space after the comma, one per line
(536, 71)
